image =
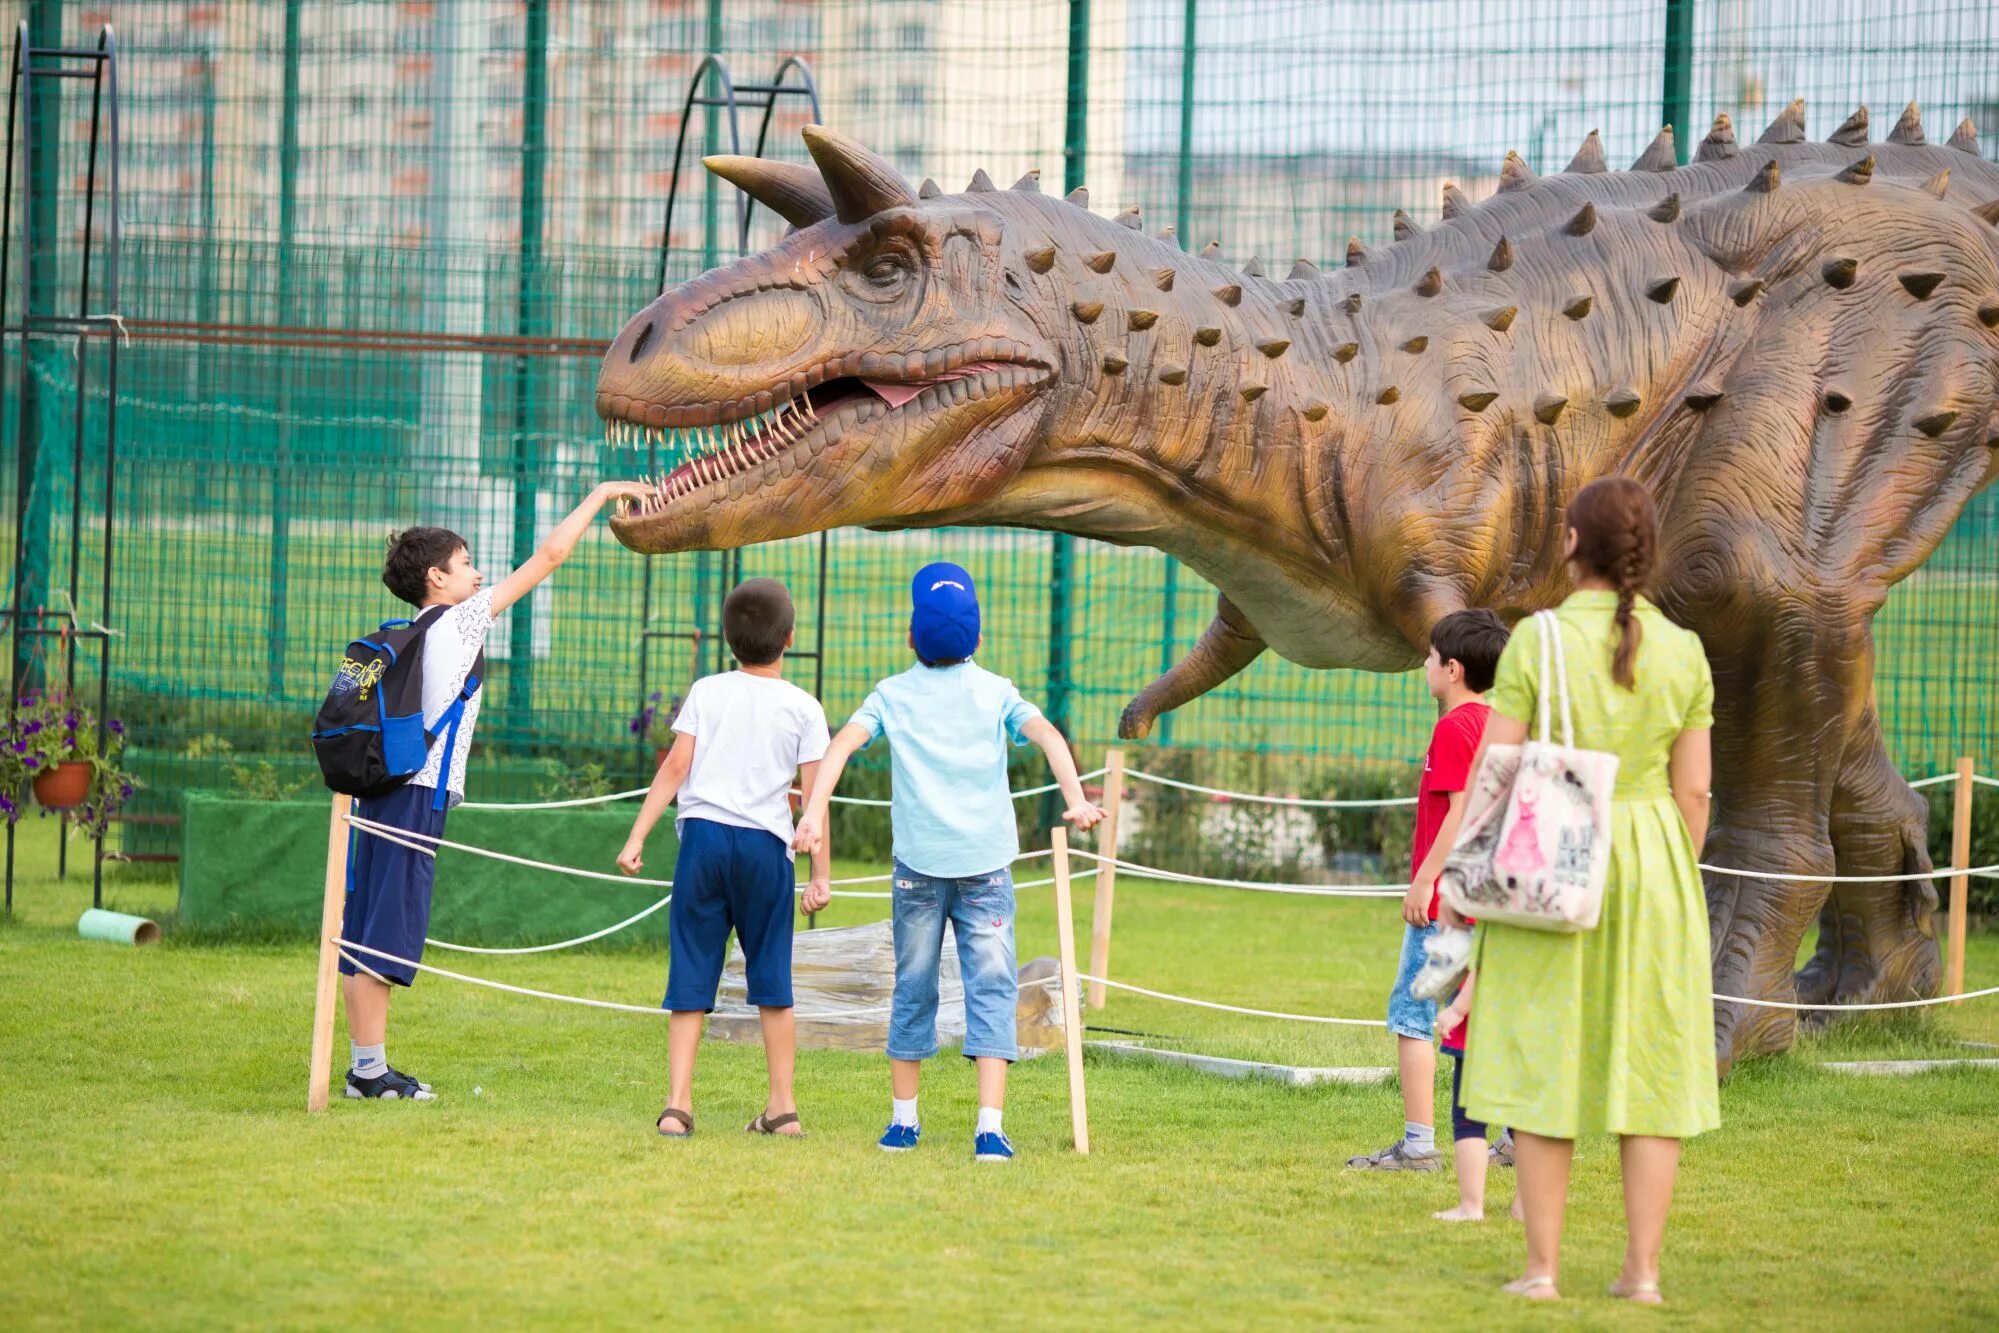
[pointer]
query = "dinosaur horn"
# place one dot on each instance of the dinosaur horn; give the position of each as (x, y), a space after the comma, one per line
(1660, 154)
(1852, 131)
(861, 183)
(1788, 127)
(1720, 141)
(1589, 159)
(792, 191)
(1909, 129)
(1965, 137)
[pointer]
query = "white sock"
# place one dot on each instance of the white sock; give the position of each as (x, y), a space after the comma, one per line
(903, 1112)
(989, 1120)
(1419, 1138)
(370, 1061)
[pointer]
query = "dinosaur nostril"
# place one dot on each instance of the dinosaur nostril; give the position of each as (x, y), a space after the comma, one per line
(639, 343)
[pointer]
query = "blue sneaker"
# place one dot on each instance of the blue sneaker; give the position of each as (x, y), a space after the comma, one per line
(993, 1147)
(900, 1138)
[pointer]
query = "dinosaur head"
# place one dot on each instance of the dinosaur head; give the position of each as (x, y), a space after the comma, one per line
(878, 365)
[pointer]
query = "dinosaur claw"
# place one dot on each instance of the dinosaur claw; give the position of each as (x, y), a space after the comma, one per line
(1135, 723)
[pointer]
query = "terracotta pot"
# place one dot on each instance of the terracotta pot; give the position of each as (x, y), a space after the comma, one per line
(65, 786)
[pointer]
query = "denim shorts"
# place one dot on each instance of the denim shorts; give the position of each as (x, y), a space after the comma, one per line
(1407, 1015)
(980, 910)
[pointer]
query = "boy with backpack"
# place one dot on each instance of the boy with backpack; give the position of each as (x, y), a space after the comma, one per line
(407, 767)
(948, 724)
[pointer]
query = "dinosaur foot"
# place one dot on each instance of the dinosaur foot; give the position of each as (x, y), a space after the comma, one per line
(1135, 723)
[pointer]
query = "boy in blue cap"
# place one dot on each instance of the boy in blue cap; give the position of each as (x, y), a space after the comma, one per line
(948, 723)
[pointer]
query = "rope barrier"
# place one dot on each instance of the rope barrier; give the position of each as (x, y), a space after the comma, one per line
(1255, 885)
(1253, 797)
(1942, 872)
(574, 802)
(1849, 1008)
(1233, 1008)
(344, 945)
(562, 944)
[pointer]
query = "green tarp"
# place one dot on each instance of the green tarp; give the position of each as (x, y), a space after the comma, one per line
(255, 869)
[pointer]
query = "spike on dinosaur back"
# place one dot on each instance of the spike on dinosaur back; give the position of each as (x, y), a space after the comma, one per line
(1720, 142)
(1939, 184)
(1416, 344)
(1356, 252)
(1788, 127)
(1589, 159)
(1662, 290)
(1229, 293)
(1211, 249)
(1207, 337)
(1173, 374)
(1131, 218)
(1080, 196)
(1622, 403)
(1455, 203)
(1162, 278)
(1514, 173)
(1988, 213)
(1391, 394)
(1766, 180)
(1840, 273)
(1548, 408)
(1852, 131)
(1352, 303)
(1477, 400)
(1499, 321)
(1430, 283)
(1252, 392)
(1346, 352)
(980, 183)
(1101, 261)
(1254, 268)
(1302, 269)
(1988, 315)
(1860, 173)
(1502, 256)
(1577, 308)
(1964, 138)
(1168, 233)
(1936, 423)
(1908, 129)
(928, 190)
(1666, 210)
(1662, 154)
(1041, 260)
(1583, 223)
(1273, 347)
(1746, 292)
(1837, 401)
(1919, 285)
(1030, 182)
(1295, 306)
(1702, 397)
(1114, 364)
(1315, 411)
(1086, 311)
(1138, 321)
(1405, 226)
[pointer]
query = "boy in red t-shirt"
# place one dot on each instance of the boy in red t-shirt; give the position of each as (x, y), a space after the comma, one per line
(1464, 655)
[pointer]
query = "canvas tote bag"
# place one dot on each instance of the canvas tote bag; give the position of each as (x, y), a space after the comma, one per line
(1534, 845)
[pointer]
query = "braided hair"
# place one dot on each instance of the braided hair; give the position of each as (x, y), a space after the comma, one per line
(1617, 539)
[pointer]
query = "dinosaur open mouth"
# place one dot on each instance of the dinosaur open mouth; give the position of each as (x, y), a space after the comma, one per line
(757, 440)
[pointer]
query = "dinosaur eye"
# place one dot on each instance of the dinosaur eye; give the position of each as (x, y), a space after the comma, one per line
(884, 274)
(886, 269)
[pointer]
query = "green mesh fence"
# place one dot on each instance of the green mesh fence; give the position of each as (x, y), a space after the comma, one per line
(336, 214)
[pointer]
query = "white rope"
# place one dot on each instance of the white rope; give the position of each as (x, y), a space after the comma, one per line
(640, 791)
(1225, 794)
(345, 945)
(1843, 1008)
(1982, 781)
(1942, 872)
(561, 944)
(1940, 779)
(1255, 885)
(1233, 1008)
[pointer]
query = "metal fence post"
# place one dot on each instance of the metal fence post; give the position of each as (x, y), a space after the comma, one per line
(1676, 104)
(528, 322)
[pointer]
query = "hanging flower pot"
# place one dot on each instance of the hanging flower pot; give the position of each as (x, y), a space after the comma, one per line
(64, 786)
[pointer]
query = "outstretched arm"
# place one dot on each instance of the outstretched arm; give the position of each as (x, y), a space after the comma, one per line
(811, 833)
(665, 786)
(560, 543)
(1080, 812)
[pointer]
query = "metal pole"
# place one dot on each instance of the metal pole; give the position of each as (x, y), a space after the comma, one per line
(526, 460)
(279, 576)
(1061, 555)
(711, 252)
(1183, 221)
(107, 41)
(41, 175)
(1676, 103)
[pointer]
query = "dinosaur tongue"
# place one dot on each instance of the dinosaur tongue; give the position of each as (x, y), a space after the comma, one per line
(895, 395)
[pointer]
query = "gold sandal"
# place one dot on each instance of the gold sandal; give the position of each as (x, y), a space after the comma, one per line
(1526, 1286)
(1631, 1292)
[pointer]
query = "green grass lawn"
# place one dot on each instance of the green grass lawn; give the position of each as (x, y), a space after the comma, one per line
(161, 1169)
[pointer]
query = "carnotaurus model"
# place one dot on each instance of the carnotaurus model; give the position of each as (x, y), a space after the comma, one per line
(1792, 343)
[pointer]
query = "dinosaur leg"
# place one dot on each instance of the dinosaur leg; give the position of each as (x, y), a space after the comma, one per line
(1226, 647)
(1876, 941)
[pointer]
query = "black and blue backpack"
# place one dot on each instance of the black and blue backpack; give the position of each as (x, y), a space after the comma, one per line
(369, 734)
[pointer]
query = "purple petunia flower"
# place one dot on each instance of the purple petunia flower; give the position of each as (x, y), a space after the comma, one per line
(117, 727)
(31, 762)
(69, 720)
(125, 789)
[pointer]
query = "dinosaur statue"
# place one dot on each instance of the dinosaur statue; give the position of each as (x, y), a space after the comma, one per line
(1794, 344)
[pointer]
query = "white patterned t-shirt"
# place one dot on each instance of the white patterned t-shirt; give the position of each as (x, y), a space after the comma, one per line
(450, 647)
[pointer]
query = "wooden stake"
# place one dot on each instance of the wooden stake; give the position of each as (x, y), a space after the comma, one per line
(326, 997)
(1072, 1015)
(1100, 917)
(1960, 885)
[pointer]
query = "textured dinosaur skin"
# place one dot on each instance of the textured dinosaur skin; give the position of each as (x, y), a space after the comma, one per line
(1792, 343)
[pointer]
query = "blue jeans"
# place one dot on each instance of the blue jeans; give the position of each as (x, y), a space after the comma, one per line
(980, 910)
(1407, 1015)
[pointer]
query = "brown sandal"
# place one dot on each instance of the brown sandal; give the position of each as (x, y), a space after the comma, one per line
(686, 1118)
(771, 1124)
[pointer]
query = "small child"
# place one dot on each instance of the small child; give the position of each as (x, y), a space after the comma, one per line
(389, 883)
(1464, 656)
(1468, 1136)
(741, 738)
(948, 723)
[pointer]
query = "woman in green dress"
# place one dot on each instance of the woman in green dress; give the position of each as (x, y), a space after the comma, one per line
(1610, 1030)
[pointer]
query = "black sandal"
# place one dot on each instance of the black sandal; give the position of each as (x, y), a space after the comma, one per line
(686, 1118)
(771, 1124)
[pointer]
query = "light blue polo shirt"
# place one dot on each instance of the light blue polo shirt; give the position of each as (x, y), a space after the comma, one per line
(948, 729)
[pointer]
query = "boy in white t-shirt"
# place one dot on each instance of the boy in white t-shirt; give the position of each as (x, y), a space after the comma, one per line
(742, 739)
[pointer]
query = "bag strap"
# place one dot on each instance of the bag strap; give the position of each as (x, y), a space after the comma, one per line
(1551, 643)
(1543, 621)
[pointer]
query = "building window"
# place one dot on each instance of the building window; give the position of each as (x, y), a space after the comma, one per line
(913, 37)
(909, 96)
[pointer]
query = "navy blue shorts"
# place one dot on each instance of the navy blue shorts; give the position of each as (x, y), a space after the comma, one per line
(388, 885)
(729, 877)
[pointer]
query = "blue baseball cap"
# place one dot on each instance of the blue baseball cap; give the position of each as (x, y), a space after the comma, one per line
(944, 613)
